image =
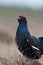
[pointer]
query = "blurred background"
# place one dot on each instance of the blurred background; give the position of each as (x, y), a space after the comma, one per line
(32, 8)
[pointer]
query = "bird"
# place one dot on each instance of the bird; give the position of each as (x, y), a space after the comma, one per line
(29, 45)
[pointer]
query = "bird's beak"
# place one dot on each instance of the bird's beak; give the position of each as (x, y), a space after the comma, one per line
(19, 19)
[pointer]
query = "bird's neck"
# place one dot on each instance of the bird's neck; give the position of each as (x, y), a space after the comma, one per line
(22, 24)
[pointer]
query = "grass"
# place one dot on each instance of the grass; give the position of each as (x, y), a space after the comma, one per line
(18, 61)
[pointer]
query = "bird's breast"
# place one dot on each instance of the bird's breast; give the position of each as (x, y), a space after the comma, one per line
(23, 31)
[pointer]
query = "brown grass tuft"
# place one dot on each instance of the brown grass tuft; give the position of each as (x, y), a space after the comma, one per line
(18, 61)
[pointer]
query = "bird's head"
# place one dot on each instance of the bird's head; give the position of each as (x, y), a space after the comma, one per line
(22, 19)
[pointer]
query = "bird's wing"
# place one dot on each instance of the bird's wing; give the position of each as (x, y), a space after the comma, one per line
(34, 41)
(30, 50)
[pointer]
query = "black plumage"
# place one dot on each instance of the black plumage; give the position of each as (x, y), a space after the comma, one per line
(28, 45)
